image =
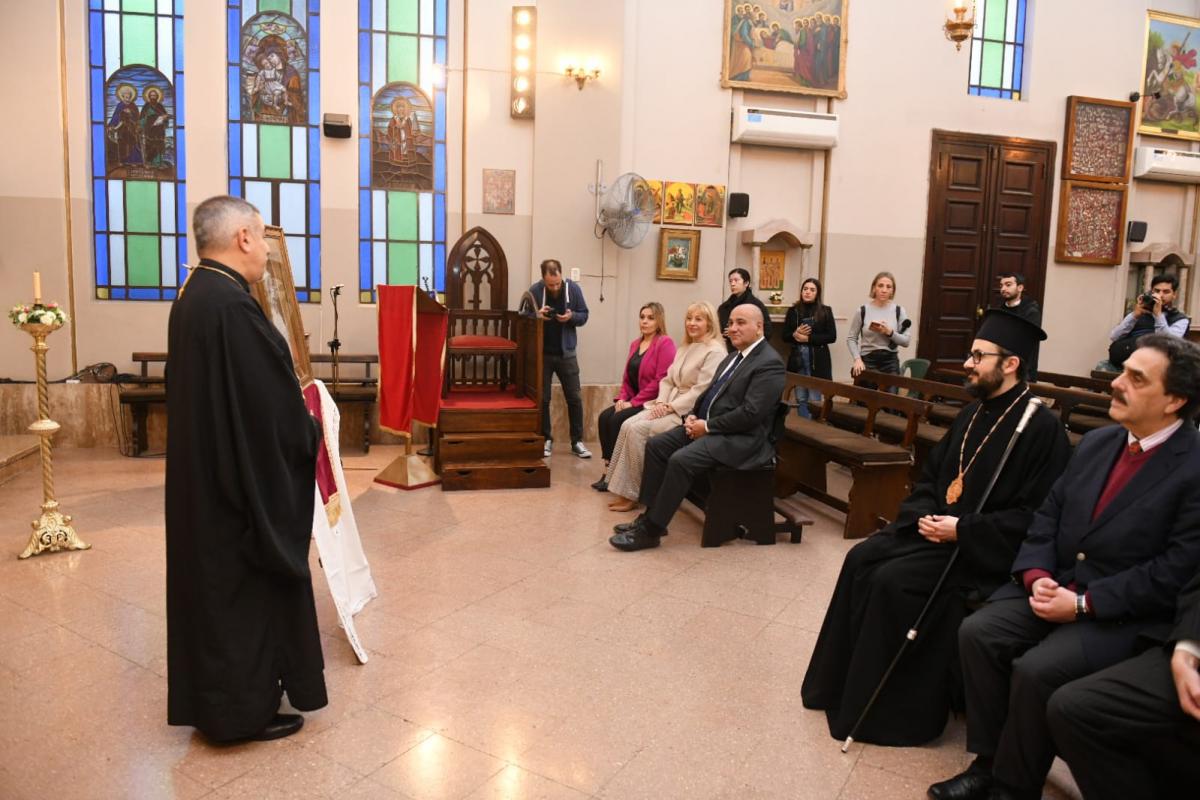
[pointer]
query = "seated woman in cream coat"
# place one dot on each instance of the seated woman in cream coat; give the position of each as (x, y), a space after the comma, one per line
(688, 376)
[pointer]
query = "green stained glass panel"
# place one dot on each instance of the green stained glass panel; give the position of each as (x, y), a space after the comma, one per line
(138, 5)
(137, 40)
(275, 5)
(142, 256)
(402, 215)
(402, 264)
(274, 151)
(402, 58)
(993, 64)
(402, 16)
(994, 19)
(141, 206)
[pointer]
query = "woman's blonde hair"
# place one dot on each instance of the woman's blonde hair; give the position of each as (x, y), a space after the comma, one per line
(875, 280)
(709, 312)
(660, 317)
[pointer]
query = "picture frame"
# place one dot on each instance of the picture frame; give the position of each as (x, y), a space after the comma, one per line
(1098, 141)
(771, 269)
(1091, 223)
(499, 191)
(792, 46)
(678, 254)
(276, 295)
(710, 205)
(679, 203)
(1175, 113)
(656, 190)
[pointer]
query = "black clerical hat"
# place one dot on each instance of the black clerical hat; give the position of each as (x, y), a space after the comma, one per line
(1015, 334)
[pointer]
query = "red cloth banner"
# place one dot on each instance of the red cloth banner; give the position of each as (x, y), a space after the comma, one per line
(412, 350)
(326, 483)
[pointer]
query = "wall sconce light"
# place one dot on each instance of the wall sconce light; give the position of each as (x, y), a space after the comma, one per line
(581, 74)
(959, 29)
(524, 57)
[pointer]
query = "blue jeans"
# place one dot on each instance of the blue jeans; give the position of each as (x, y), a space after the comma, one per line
(803, 394)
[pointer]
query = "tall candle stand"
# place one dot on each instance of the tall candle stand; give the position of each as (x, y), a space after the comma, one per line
(52, 531)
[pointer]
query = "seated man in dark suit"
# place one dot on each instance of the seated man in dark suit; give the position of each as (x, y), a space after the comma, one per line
(731, 427)
(1126, 731)
(1105, 560)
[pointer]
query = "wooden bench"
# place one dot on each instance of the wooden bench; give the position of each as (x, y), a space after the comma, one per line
(1088, 384)
(1080, 411)
(139, 392)
(945, 400)
(879, 470)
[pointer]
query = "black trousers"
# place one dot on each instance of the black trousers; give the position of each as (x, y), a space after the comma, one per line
(1013, 660)
(609, 425)
(886, 361)
(567, 370)
(1121, 731)
(672, 462)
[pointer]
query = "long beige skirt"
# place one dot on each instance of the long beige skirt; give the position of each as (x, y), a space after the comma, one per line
(629, 453)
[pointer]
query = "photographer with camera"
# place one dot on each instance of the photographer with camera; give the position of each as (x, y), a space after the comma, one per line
(1154, 313)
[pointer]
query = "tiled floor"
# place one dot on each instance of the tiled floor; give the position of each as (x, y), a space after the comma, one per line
(514, 654)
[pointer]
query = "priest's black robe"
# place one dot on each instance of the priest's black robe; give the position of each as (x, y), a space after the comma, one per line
(886, 579)
(241, 471)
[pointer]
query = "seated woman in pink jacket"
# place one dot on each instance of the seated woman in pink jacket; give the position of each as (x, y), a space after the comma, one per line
(649, 356)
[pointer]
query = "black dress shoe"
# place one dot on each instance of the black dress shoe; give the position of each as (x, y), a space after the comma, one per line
(600, 485)
(279, 727)
(624, 527)
(637, 538)
(969, 785)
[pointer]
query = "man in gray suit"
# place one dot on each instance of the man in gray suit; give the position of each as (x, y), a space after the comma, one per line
(730, 427)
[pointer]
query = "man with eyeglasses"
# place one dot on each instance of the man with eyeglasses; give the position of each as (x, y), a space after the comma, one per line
(885, 580)
(1103, 565)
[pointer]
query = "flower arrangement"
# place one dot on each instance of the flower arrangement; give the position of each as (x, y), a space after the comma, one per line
(37, 313)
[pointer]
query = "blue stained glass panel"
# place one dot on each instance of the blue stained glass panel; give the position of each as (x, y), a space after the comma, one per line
(101, 259)
(235, 187)
(235, 149)
(180, 109)
(439, 167)
(314, 263)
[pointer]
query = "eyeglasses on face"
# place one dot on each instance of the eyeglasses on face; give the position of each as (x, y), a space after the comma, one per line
(978, 355)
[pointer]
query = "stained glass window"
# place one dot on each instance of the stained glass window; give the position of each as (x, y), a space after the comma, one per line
(274, 92)
(998, 49)
(402, 144)
(135, 80)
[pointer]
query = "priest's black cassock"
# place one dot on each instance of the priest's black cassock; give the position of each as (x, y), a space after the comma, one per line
(886, 579)
(241, 466)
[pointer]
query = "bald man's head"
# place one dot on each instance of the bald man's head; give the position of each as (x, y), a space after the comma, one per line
(745, 325)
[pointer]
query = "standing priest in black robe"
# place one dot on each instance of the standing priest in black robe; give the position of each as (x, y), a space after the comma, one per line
(241, 466)
(886, 579)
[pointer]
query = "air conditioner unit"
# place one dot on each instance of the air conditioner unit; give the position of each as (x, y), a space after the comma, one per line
(780, 127)
(1156, 164)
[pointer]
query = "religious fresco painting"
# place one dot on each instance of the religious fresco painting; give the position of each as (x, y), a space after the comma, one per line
(679, 203)
(139, 104)
(656, 192)
(274, 69)
(274, 138)
(137, 142)
(499, 191)
(1170, 71)
(795, 46)
(402, 139)
(710, 205)
(402, 54)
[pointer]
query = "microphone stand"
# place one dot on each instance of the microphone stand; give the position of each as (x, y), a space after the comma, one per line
(1030, 408)
(335, 344)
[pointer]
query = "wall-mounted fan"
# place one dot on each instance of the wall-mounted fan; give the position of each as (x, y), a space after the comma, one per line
(626, 209)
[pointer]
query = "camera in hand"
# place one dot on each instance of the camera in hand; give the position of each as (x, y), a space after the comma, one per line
(1148, 300)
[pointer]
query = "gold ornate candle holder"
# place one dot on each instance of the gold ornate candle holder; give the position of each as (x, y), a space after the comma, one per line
(52, 531)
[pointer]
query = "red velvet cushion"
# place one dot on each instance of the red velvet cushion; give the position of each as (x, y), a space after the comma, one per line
(481, 343)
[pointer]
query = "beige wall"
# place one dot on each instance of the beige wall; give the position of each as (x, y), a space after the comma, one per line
(657, 109)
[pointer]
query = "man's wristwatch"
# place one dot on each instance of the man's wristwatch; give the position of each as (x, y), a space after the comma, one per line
(1081, 606)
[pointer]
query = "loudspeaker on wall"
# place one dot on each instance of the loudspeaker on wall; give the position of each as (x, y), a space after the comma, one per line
(337, 126)
(1137, 231)
(739, 204)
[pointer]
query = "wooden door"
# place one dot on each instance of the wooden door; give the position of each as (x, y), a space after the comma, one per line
(988, 213)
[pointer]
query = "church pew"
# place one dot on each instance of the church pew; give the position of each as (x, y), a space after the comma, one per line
(1088, 384)
(139, 392)
(879, 470)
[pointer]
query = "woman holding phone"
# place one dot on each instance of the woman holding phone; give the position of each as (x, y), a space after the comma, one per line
(809, 328)
(878, 329)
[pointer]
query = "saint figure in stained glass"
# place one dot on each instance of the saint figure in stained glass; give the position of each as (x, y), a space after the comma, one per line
(140, 140)
(401, 138)
(274, 70)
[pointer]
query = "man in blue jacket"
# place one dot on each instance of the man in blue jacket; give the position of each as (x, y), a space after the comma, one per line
(1104, 563)
(560, 302)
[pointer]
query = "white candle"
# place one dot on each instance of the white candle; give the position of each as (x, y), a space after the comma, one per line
(37, 286)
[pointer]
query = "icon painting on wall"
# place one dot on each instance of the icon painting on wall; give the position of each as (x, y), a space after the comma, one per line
(679, 203)
(1171, 73)
(139, 106)
(274, 70)
(797, 47)
(710, 205)
(401, 139)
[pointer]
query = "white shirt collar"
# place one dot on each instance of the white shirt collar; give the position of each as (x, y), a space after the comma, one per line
(1155, 439)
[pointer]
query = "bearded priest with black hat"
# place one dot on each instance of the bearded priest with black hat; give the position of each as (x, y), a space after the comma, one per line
(886, 579)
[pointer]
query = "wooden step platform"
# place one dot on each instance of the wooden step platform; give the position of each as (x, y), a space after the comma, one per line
(527, 474)
(18, 453)
(455, 449)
